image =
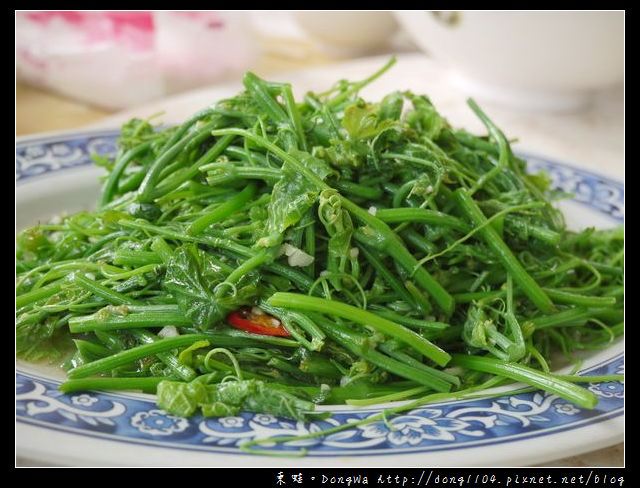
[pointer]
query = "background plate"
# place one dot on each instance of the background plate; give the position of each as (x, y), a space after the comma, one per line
(54, 174)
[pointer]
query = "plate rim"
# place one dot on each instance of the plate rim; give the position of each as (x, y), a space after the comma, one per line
(580, 424)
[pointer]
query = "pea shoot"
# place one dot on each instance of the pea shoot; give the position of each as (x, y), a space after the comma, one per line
(270, 254)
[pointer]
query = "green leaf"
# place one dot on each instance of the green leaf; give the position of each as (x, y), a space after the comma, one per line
(540, 180)
(391, 107)
(181, 399)
(230, 398)
(38, 339)
(280, 403)
(190, 277)
(33, 243)
(135, 132)
(363, 124)
(219, 409)
(424, 118)
(482, 332)
(293, 195)
(349, 153)
(255, 396)
(103, 161)
(361, 121)
(339, 227)
(474, 332)
(147, 211)
(186, 356)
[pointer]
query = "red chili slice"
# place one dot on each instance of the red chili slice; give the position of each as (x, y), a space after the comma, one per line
(263, 324)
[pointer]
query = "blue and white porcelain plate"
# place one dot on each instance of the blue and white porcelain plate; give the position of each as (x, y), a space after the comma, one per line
(55, 175)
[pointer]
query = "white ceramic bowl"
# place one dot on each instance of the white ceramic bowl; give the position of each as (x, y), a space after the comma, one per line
(538, 60)
(346, 33)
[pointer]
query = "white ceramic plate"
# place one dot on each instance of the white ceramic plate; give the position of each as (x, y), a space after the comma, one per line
(54, 174)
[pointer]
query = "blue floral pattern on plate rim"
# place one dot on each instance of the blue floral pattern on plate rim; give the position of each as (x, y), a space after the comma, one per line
(442, 426)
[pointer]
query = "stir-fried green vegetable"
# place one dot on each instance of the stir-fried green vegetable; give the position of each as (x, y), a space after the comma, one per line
(269, 255)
